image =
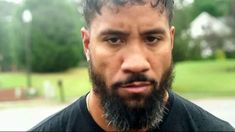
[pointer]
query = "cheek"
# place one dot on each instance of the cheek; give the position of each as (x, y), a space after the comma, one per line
(99, 60)
(160, 63)
(165, 55)
(105, 63)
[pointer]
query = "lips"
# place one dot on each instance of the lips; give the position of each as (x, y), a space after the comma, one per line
(136, 87)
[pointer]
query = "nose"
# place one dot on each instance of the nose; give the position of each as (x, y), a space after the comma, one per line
(135, 61)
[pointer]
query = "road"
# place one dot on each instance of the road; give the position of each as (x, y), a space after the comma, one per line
(23, 118)
(222, 108)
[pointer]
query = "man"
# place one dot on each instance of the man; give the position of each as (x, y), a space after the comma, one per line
(128, 44)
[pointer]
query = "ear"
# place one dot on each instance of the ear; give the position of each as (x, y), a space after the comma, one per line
(172, 33)
(86, 42)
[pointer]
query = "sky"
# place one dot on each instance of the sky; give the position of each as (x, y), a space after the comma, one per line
(185, 3)
(15, 1)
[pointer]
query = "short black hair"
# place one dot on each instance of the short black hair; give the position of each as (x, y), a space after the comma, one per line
(92, 7)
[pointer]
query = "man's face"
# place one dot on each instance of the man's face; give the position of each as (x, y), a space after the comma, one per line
(124, 43)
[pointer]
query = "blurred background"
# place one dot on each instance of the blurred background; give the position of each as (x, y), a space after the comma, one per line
(43, 68)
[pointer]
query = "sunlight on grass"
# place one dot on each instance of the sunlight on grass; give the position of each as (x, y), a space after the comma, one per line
(75, 81)
(193, 79)
(205, 78)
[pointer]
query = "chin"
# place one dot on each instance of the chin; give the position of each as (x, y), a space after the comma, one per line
(135, 104)
(135, 100)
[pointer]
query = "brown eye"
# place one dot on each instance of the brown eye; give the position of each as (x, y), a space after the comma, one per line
(151, 39)
(114, 40)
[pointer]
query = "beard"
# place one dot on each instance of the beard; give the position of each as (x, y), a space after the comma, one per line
(122, 116)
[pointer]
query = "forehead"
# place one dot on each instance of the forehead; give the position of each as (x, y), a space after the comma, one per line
(138, 16)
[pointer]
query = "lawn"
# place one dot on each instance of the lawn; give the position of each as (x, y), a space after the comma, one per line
(192, 79)
(75, 81)
(205, 78)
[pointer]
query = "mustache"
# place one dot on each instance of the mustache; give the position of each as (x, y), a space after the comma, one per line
(135, 77)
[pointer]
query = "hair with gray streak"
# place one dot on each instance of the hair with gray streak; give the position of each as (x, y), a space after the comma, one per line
(92, 7)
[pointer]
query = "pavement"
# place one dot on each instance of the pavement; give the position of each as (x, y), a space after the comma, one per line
(23, 118)
(224, 108)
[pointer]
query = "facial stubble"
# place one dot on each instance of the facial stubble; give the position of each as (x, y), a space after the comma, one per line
(122, 116)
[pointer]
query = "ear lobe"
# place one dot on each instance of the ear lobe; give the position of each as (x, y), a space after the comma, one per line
(86, 42)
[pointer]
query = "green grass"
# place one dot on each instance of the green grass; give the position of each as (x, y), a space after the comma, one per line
(205, 78)
(192, 79)
(75, 81)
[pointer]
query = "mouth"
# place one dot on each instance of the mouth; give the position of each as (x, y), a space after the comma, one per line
(136, 87)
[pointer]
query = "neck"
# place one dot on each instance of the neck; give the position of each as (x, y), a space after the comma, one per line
(96, 110)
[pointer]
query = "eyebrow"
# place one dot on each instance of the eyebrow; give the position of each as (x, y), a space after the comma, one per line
(123, 33)
(154, 31)
(114, 32)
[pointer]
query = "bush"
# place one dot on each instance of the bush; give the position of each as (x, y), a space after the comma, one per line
(219, 54)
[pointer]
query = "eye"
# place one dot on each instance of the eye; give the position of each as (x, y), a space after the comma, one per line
(114, 40)
(151, 39)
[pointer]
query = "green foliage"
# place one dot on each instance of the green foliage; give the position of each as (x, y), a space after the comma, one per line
(180, 50)
(213, 7)
(181, 21)
(219, 54)
(230, 54)
(54, 35)
(186, 48)
(194, 51)
(5, 46)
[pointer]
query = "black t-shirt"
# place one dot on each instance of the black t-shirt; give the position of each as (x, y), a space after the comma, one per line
(180, 115)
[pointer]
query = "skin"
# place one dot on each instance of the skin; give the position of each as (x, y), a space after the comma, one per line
(132, 39)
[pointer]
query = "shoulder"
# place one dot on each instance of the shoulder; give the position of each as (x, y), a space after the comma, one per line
(197, 118)
(62, 120)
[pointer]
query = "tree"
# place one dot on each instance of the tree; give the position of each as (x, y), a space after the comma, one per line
(6, 52)
(231, 24)
(181, 22)
(187, 48)
(5, 57)
(216, 8)
(54, 35)
(220, 9)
